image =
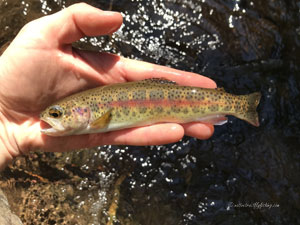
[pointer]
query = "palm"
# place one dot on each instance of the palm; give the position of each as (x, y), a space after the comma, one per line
(55, 76)
(51, 69)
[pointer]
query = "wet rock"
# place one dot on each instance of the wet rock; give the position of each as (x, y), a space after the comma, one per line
(7, 217)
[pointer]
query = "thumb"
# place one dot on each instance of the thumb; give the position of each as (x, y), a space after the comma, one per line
(73, 23)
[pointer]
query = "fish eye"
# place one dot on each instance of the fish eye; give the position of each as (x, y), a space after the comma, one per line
(55, 112)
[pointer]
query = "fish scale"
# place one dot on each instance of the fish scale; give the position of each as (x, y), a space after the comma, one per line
(140, 103)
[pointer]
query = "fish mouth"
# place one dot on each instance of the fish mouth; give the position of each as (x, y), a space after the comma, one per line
(52, 127)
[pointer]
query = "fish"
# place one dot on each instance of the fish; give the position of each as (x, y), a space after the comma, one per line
(145, 102)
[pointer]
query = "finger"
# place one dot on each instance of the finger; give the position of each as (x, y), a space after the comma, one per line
(138, 70)
(113, 68)
(198, 130)
(157, 134)
(75, 22)
(84, 20)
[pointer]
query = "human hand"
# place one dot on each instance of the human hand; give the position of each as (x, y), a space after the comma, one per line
(40, 66)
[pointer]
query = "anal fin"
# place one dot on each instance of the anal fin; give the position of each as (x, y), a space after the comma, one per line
(215, 119)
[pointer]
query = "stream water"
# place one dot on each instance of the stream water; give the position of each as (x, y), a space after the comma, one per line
(242, 175)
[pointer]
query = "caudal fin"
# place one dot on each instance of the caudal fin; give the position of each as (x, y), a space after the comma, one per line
(251, 116)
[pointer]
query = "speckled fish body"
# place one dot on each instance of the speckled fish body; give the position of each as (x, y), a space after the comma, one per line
(133, 104)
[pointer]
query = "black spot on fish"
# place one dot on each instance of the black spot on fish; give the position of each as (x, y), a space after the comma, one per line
(156, 95)
(189, 96)
(125, 110)
(142, 110)
(139, 95)
(151, 112)
(122, 96)
(159, 109)
(118, 114)
(185, 111)
(227, 108)
(172, 95)
(175, 109)
(106, 99)
(195, 109)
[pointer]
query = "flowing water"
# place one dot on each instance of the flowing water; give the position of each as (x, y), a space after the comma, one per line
(242, 175)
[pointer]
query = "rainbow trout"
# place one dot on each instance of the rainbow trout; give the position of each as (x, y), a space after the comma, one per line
(140, 103)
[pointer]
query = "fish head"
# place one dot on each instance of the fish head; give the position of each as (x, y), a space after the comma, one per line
(65, 119)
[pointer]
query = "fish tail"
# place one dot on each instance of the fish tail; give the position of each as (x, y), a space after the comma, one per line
(251, 115)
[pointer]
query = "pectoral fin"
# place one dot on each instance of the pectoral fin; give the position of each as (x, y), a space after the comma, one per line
(102, 121)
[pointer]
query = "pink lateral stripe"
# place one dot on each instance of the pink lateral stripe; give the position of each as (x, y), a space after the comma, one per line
(165, 103)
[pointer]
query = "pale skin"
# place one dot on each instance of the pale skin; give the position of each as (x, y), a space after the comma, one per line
(40, 66)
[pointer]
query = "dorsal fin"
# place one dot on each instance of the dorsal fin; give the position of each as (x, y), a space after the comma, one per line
(160, 80)
(220, 89)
